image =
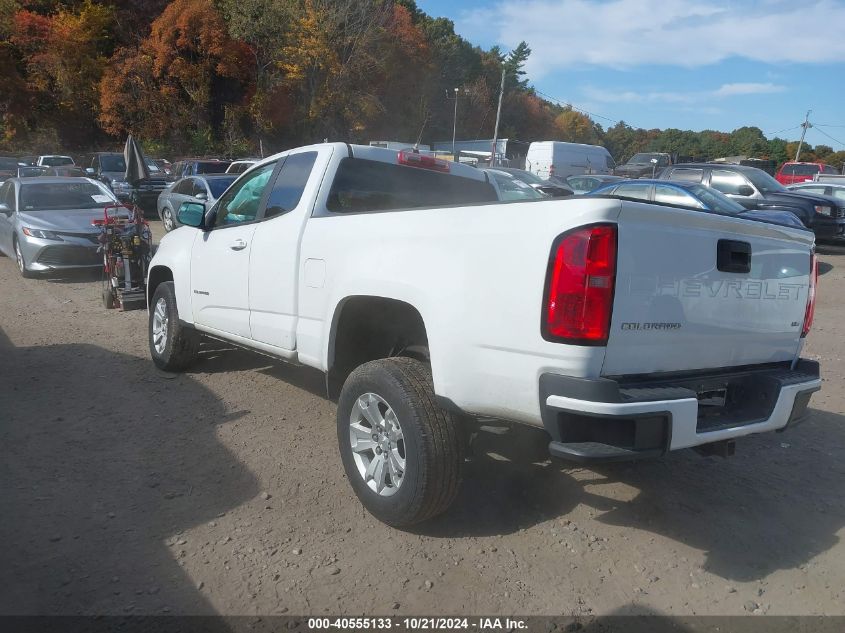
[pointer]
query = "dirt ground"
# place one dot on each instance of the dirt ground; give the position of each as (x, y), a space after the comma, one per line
(129, 491)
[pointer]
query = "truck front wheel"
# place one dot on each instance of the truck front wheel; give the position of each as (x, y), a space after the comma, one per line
(172, 347)
(402, 453)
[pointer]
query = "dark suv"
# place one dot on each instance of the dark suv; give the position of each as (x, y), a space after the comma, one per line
(755, 189)
(110, 168)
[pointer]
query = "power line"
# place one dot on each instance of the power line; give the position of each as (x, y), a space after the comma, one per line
(827, 135)
(581, 110)
(788, 129)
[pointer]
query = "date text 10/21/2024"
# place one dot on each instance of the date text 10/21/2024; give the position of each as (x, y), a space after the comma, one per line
(418, 623)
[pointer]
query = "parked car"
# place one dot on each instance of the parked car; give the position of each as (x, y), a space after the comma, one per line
(192, 189)
(548, 187)
(691, 195)
(67, 171)
(45, 223)
(556, 158)
(195, 166)
(755, 189)
(110, 169)
(28, 161)
(791, 172)
(241, 165)
(31, 172)
(509, 187)
(164, 165)
(8, 167)
(584, 184)
(644, 165)
(833, 189)
(624, 330)
(54, 160)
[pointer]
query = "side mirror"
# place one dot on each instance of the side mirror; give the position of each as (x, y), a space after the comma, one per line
(201, 196)
(745, 190)
(90, 171)
(4, 209)
(191, 214)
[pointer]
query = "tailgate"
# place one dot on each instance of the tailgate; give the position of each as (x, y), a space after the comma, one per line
(680, 306)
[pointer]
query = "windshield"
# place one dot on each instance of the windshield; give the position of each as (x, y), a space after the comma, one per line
(31, 172)
(715, 200)
(113, 162)
(55, 161)
(763, 181)
(152, 166)
(646, 158)
(219, 185)
(512, 188)
(46, 196)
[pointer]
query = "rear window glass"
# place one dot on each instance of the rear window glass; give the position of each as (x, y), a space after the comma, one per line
(55, 161)
(800, 170)
(112, 162)
(686, 175)
(212, 168)
(366, 185)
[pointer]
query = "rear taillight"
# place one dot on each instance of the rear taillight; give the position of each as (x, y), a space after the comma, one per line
(581, 279)
(423, 161)
(811, 296)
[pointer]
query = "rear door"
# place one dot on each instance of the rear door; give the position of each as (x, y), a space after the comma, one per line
(274, 267)
(680, 305)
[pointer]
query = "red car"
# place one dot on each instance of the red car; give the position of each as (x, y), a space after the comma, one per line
(791, 172)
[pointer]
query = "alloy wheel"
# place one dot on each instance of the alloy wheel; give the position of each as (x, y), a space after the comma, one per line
(378, 444)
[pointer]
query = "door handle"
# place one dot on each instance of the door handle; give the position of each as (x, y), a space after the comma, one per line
(238, 245)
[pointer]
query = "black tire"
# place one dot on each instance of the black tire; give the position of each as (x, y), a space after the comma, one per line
(433, 444)
(21, 261)
(181, 344)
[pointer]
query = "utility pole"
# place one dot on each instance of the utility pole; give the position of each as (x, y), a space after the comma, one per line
(454, 121)
(806, 125)
(493, 158)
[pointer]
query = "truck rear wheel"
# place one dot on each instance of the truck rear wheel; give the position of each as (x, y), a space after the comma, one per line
(172, 347)
(402, 453)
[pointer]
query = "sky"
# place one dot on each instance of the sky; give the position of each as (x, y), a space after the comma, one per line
(687, 64)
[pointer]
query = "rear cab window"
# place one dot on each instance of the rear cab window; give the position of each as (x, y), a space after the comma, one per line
(361, 185)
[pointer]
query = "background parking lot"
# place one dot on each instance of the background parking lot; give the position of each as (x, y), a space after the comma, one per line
(220, 491)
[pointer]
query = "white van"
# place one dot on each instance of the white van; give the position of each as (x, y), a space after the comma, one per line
(555, 158)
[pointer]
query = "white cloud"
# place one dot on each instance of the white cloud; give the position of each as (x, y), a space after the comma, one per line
(686, 33)
(603, 95)
(730, 90)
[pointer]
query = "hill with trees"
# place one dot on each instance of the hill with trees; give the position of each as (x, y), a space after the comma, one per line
(223, 76)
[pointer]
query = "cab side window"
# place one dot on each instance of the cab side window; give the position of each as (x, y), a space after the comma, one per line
(640, 192)
(240, 202)
(673, 196)
(290, 183)
(686, 174)
(727, 182)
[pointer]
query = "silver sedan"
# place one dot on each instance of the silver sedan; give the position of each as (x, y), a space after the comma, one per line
(204, 189)
(45, 223)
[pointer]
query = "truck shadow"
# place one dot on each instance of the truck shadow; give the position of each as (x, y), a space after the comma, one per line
(103, 466)
(775, 505)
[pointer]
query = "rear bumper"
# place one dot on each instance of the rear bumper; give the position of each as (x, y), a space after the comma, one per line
(605, 420)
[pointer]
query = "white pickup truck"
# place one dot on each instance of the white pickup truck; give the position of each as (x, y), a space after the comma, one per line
(625, 329)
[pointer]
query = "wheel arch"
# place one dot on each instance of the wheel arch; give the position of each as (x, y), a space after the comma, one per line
(157, 276)
(370, 327)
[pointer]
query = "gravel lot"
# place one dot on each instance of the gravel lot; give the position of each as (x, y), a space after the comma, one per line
(129, 491)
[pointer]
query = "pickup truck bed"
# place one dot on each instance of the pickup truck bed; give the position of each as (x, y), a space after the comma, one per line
(624, 329)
